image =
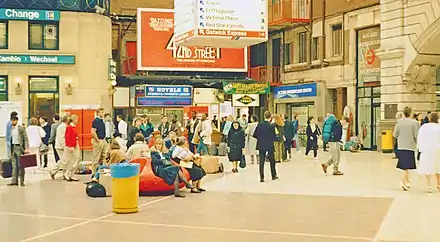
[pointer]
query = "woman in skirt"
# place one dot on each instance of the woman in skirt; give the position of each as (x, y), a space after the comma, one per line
(190, 162)
(236, 142)
(428, 142)
(313, 133)
(406, 131)
(163, 168)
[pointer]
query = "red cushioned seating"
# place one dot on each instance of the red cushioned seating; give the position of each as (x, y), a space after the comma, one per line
(149, 183)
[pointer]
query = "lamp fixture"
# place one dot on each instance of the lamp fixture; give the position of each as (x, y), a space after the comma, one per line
(69, 89)
(18, 88)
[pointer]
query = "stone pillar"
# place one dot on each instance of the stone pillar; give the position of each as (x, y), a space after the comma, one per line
(404, 81)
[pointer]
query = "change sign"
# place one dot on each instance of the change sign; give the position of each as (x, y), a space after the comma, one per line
(246, 88)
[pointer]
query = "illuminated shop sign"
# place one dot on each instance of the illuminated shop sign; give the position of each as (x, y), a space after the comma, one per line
(304, 90)
(24, 14)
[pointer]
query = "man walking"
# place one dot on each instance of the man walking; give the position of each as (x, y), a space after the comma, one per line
(19, 146)
(122, 127)
(60, 144)
(265, 135)
(98, 140)
(288, 134)
(332, 134)
(53, 134)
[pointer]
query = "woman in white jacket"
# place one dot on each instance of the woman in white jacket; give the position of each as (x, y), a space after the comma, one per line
(35, 134)
(251, 142)
(205, 135)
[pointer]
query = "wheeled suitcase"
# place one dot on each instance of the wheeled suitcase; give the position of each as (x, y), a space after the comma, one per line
(28, 160)
(222, 149)
(6, 168)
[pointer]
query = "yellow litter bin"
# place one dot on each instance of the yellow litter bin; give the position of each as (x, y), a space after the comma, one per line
(387, 141)
(125, 187)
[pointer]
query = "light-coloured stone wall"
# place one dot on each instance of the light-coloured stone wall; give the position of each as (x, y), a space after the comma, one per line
(87, 36)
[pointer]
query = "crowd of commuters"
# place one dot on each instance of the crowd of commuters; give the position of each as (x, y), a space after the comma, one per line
(172, 144)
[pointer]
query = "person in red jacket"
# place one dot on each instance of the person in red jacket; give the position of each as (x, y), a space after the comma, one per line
(71, 152)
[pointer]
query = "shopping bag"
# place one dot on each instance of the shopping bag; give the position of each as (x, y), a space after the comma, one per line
(243, 162)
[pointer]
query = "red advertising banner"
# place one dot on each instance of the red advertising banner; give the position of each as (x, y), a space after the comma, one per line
(157, 51)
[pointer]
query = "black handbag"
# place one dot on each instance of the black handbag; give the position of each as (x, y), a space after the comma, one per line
(243, 162)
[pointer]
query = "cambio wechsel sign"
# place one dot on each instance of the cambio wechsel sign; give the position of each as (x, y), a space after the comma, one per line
(37, 59)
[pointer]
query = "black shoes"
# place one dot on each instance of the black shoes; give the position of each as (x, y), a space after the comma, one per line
(261, 180)
(13, 184)
(275, 178)
(179, 195)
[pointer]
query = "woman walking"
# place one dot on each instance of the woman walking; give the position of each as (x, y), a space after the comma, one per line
(35, 135)
(279, 142)
(71, 153)
(251, 142)
(406, 132)
(428, 142)
(313, 133)
(236, 143)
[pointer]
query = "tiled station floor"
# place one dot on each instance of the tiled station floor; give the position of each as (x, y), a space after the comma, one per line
(304, 205)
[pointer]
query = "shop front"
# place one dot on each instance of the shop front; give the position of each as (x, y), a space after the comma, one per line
(368, 93)
(157, 100)
(303, 100)
(246, 97)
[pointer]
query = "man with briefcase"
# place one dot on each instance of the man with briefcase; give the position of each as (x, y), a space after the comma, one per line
(19, 146)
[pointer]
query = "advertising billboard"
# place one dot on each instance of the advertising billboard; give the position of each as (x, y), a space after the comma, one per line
(157, 50)
(222, 23)
(368, 62)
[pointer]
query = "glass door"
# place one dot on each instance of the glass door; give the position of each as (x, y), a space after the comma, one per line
(43, 97)
(368, 116)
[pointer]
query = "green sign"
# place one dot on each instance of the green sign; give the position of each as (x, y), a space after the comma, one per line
(246, 88)
(37, 59)
(25, 14)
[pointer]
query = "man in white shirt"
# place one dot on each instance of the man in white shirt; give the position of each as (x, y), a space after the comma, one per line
(60, 144)
(109, 127)
(122, 127)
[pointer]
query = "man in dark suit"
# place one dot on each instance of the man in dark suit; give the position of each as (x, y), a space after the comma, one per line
(19, 146)
(265, 135)
(288, 134)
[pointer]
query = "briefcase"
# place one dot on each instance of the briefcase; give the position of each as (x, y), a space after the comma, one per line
(6, 168)
(28, 160)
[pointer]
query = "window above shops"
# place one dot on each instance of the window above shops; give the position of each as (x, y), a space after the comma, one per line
(43, 36)
(3, 88)
(3, 34)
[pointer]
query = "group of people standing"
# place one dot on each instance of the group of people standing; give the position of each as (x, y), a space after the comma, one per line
(418, 138)
(36, 138)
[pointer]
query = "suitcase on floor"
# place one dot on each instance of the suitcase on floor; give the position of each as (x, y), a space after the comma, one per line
(222, 149)
(210, 164)
(6, 168)
(106, 180)
(213, 150)
(28, 160)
